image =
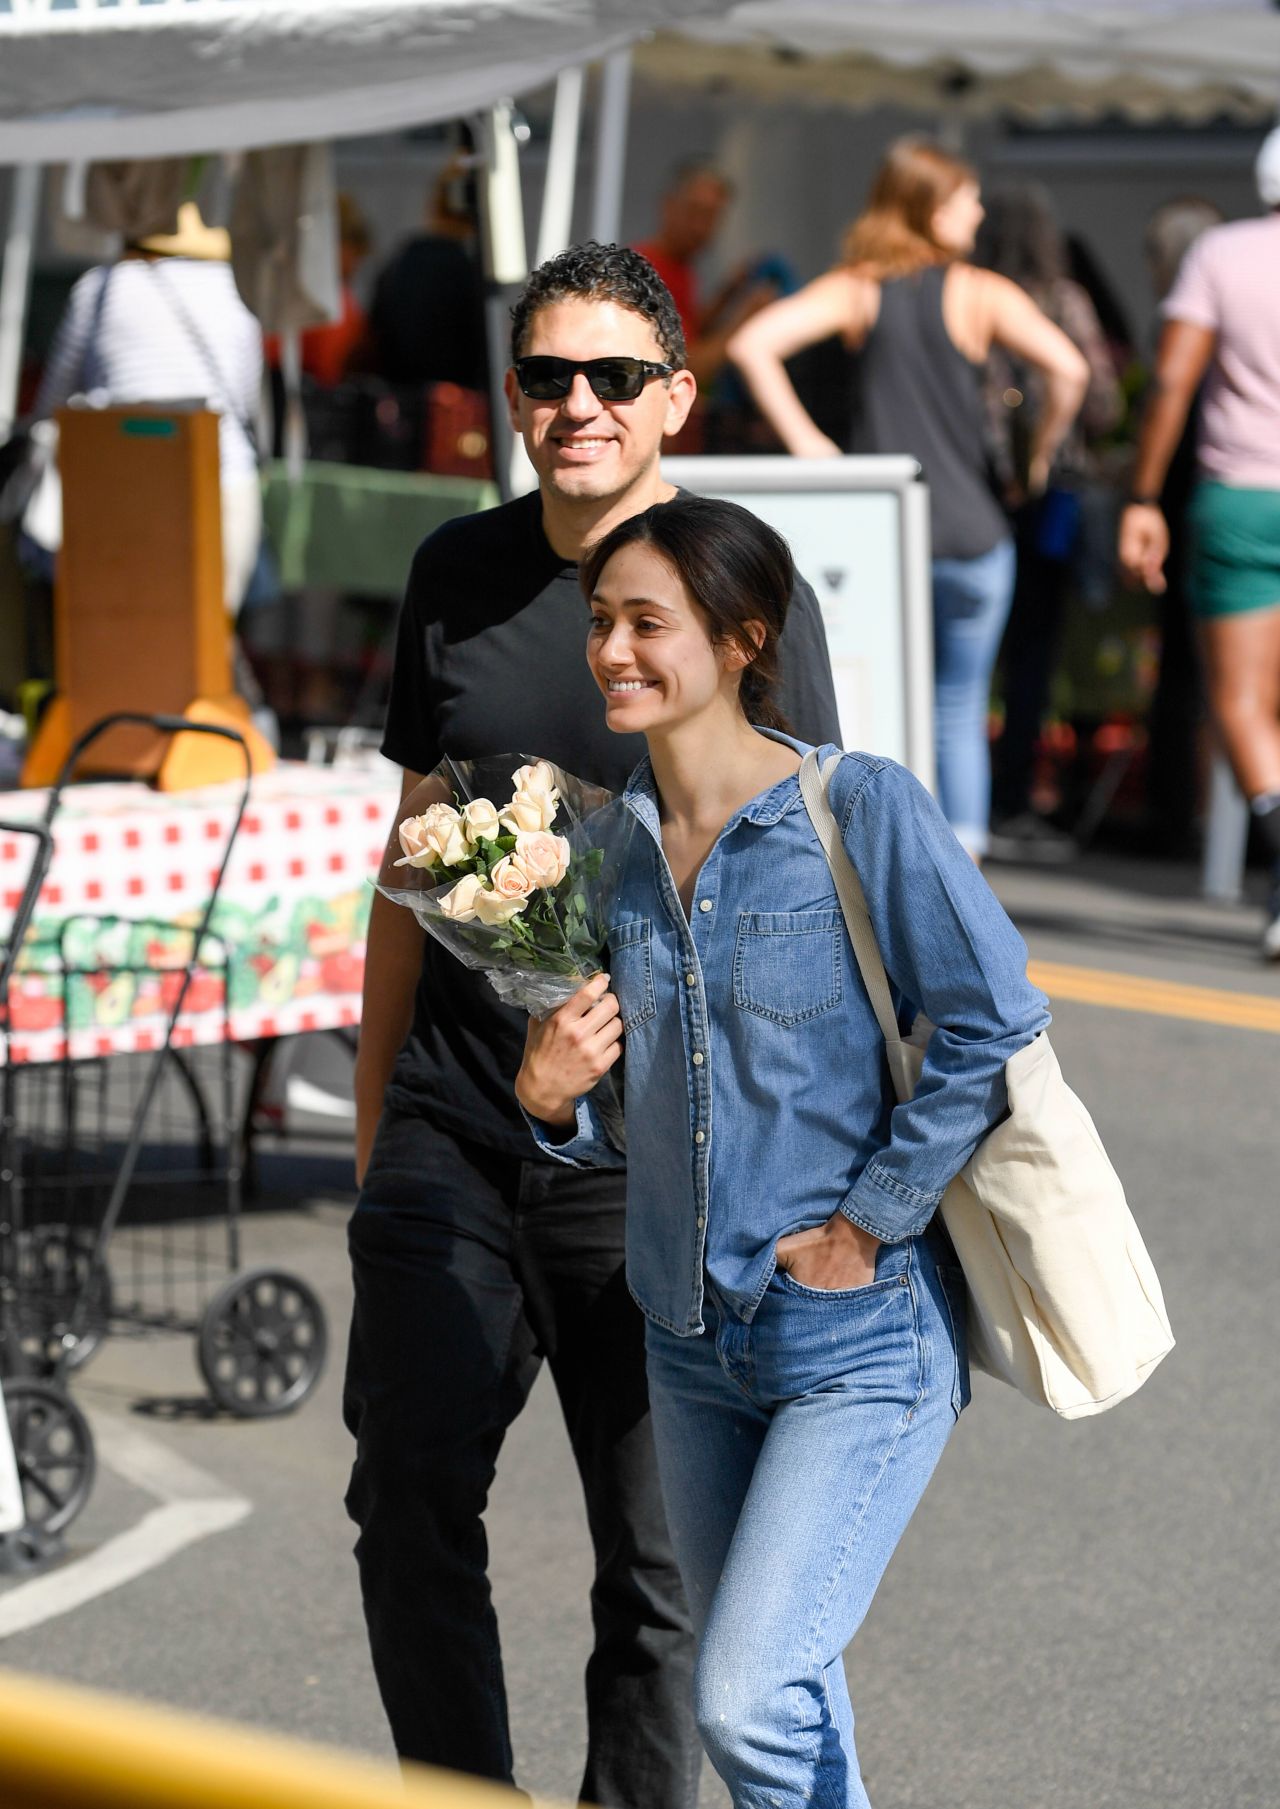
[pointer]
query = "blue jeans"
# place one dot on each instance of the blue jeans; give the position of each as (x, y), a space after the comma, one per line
(971, 599)
(792, 1452)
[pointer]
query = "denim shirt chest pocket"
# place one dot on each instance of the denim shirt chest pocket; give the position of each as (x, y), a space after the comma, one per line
(788, 966)
(631, 971)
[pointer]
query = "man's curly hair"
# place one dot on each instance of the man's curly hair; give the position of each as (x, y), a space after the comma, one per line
(606, 273)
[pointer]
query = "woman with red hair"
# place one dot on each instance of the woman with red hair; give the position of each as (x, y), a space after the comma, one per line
(921, 321)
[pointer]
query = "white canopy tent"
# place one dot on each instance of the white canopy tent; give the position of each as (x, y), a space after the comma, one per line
(156, 78)
(1189, 59)
(130, 78)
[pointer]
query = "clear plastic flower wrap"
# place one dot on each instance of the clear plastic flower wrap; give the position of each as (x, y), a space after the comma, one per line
(511, 863)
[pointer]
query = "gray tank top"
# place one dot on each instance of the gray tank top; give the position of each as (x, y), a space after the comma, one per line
(916, 392)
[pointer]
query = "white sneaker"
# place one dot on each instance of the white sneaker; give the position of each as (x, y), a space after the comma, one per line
(1269, 947)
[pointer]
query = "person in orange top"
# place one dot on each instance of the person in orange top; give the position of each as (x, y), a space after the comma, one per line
(693, 206)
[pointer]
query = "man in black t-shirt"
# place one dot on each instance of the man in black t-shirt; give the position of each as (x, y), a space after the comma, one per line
(473, 1258)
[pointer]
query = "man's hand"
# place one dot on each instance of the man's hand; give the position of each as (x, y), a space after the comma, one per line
(568, 1052)
(838, 1254)
(392, 965)
(1144, 546)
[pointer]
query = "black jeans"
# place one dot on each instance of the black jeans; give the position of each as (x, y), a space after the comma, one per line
(469, 1268)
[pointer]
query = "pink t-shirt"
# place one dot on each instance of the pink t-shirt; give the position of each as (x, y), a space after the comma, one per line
(1230, 282)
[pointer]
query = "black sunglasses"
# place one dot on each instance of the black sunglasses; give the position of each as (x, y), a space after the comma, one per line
(611, 379)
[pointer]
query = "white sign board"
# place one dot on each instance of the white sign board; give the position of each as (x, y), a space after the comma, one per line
(859, 531)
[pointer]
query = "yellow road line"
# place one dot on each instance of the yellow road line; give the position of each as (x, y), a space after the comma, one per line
(1158, 998)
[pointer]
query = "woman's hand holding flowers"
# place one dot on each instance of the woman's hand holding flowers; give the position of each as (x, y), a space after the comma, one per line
(566, 1053)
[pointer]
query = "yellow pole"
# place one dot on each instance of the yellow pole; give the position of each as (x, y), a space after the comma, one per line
(63, 1748)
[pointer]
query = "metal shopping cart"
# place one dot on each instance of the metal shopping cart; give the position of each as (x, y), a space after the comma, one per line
(125, 1166)
(46, 1447)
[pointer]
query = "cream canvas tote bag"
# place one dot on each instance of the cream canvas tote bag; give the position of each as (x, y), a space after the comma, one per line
(1064, 1302)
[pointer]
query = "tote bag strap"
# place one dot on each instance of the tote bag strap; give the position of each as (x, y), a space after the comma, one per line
(813, 789)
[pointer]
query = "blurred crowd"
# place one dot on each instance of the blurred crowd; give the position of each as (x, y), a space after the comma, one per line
(959, 323)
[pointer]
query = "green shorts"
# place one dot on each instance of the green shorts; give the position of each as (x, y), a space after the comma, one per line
(1234, 553)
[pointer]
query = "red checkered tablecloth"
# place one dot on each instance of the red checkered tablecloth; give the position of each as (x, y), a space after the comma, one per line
(292, 912)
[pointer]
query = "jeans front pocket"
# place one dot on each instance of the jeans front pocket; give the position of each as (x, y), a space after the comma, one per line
(631, 971)
(787, 965)
(892, 1270)
(867, 1339)
(868, 1290)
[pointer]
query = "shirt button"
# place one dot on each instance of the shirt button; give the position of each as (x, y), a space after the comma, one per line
(700, 1221)
(691, 979)
(700, 1136)
(698, 1058)
(705, 904)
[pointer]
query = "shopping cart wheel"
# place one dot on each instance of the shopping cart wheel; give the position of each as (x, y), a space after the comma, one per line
(262, 1343)
(54, 1449)
(56, 1276)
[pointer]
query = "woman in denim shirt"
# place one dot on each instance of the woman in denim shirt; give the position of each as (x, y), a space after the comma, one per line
(805, 1316)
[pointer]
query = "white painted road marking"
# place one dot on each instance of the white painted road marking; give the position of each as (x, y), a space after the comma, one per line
(193, 1505)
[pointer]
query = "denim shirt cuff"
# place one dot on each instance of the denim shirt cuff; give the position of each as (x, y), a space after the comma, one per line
(887, 1207)
(587, 1146)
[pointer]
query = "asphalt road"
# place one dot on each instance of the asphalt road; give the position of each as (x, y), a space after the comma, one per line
(1081, 1616)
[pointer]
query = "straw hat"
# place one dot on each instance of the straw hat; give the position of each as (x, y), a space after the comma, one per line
(193, 239)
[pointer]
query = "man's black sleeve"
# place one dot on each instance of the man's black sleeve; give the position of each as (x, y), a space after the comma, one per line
(410, 736)
(806, 693)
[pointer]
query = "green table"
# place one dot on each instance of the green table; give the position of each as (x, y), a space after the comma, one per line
(353, 528)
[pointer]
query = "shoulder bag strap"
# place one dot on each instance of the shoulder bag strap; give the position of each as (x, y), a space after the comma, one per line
(95, 323)
(813, 789)
(184, 318)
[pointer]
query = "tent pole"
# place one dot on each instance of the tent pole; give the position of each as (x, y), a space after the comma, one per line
(555, 229)
(505, 269)
(611, 147)
(15, 286)
(294, 437)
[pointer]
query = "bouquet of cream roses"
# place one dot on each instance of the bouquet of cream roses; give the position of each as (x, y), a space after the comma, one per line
(516, 889)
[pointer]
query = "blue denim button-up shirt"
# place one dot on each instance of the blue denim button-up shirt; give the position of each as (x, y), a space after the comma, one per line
(758, 1099)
